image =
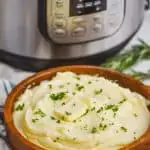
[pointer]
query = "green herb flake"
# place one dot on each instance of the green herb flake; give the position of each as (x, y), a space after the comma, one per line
(92, 109)
(94, 130)
(115, 115)
(124, 129)
(73, 93)
(68, 113)
(55, 141)
(79, 87)
(97, 92)
(102, 126)
(50, 86)
(34, 120)
(114, 108)
(40, 113)
(74, 105)
(61, 86)
(90, 82)
(102, 118)
(20, 107)
(100, 110)
(63, 103)
(135, 115)
(108, 107)
(74, 139)
(77, 77)
(58, 96)
(58, 121)
(53, 118)
(87, 110)
(121, 102)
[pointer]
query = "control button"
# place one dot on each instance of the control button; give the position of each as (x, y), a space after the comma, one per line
(80, 6)
(80, 12)
(78, 20)
(97, 3)
(59, 15)
(97, 19)
(98, 27)
(79, 31)
(97, 8)
(88, 4)
(60, 32)
(59, 23)
(59, 3)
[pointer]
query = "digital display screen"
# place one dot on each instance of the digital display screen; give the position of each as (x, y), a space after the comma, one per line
(83, 7)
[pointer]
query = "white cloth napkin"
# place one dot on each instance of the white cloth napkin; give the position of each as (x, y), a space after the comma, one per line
(5, 88)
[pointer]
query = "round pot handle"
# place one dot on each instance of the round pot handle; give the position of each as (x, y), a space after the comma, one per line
(147, 5)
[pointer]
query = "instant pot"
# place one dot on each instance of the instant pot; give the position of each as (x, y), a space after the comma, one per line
(36, 34)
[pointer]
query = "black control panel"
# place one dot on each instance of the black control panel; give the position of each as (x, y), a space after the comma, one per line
(83, 7)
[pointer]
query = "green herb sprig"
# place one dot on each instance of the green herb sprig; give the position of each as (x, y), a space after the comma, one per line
(126, 60)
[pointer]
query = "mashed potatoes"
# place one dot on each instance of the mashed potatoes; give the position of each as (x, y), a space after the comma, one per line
(80, 112)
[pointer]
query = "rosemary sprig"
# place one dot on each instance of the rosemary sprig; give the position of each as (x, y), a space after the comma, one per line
(139, 75)
(124, 61)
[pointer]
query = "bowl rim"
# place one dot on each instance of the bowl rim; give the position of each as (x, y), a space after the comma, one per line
(21, 87)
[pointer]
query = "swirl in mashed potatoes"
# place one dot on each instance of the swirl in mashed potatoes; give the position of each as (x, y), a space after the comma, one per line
(81, 112)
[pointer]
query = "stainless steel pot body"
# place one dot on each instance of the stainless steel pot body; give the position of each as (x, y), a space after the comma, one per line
(101, 31)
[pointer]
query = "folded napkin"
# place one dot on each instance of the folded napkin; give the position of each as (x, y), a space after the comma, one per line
(5, 88)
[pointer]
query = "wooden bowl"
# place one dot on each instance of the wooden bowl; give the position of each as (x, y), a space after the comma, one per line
(20, 143)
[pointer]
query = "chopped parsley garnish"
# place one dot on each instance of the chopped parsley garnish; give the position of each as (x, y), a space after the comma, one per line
(102, 118)
(124, 129)
(97, 92)
(50, 86)
(58, 96)
(135, 115)
(117, 131)
(68, 113)
(92, 109)
(53, 118)
(20, 107)
(34, 120)
(77, 77)
(121, 102)
(73, 93)
(90, 82)
(74, 105)
(115, 115)
(61, 86)
(74, 139)
(87, 110)
(79, 87)
(63, 103)
(94, 130)
(62, 118)
(58, 121)
(100, 110)
(114, 108)
(40, 113)
(102, 126)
